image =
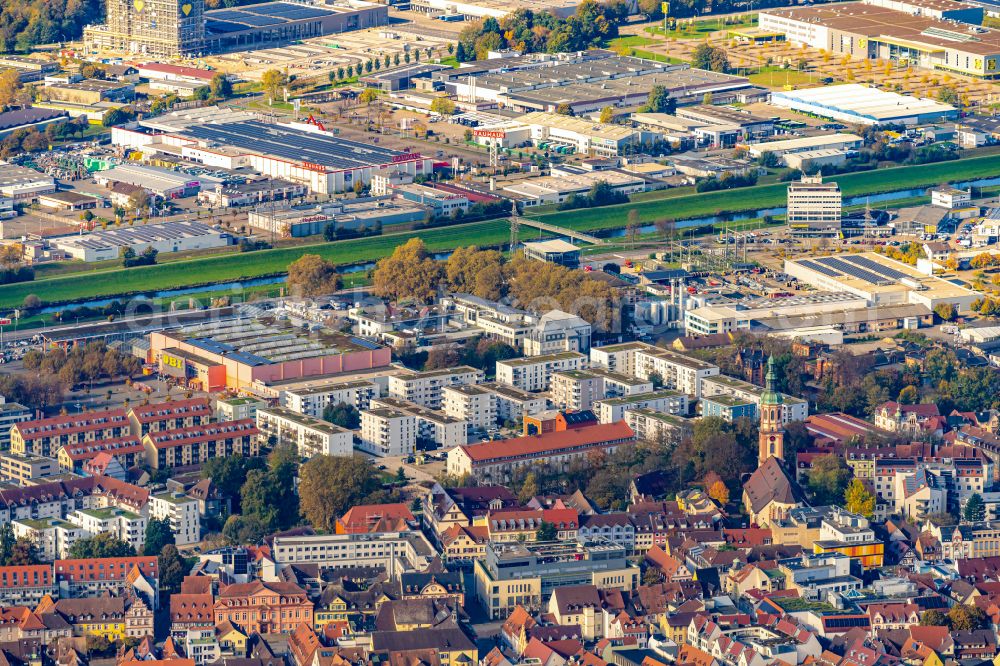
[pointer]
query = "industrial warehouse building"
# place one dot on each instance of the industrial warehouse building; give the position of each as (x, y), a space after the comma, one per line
(880, 280)
(298, 152)
(865, 30)
(861, 105)
(584, 82)
(245, 353)
(178, 236)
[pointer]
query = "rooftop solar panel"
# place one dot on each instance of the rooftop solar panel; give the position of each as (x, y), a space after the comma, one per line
(304, 13)
(294, 145)
(854, 271)
(219, 27)
(876, 267)
(818, 268)
(365, 344)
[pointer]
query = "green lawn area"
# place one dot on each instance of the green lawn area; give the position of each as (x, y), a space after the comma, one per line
(701, 29)
(778, 76)
(450, 61)
(243, 265)
(765, 196)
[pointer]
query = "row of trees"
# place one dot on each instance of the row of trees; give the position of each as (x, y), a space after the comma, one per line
(600, 194)
(82, 363)
(411, 274)
(592, 24)
(30, 140)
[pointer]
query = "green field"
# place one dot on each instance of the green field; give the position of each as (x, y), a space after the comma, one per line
(779, 76)
(767, 196)
(702, 29)
(241, 266)
(230, 267)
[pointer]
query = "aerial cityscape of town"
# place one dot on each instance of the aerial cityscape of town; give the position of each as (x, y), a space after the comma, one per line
(499, 333)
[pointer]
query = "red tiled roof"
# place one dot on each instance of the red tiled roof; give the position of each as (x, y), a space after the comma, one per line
(361, 518)
(32, 575)
(209, 432)
(166, 410)
(550, 442)
(72, 423)
(104, 568)
(114, 446)
(179, 70)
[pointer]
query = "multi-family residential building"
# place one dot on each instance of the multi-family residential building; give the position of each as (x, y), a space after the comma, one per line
(535, 373)
(727, 407)
(966, 541)
(26, 585)
(666, 401)
(433, 426)
(557, 331)
(123, 525)
(514, 403)
(520, 574)
(263, 607)
(309, 435)
(424, 388)
(917, 488)
(97, 576)
(11, 413)
(388, 432)
(127, 450)
(575, 390)
(57, 499)
(652, 426)
(182, 513)
(815, 576)
(21, 468)
(53, 537)
(172, 415)
(473, 403)
(463, 544)
(618, 357)
(392, 551)
(521, 525)
(44, 437)
(673, 370)
(238, 408)
(313, 400)
(792, 408)
(195, 445)
(498, 462)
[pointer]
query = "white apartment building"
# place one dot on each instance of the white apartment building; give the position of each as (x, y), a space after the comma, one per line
(182, 513)
(665, 401)
(813, 204)
(53, 537)
(123, 525)
(652, 426)
(395, 552)
(424, 388)
(558, 331)
(313, 400)
(513, 403)
(618, 358)
(310, 436)
(576, 390)
(617, 384)
(472, 403)
(432, 425)
(534, 373)
(675, 370)
(388, 432)
(237, 409)
(792, 408)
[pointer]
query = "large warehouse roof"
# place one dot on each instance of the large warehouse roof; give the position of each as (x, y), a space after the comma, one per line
(294, 145)
(129, 236)
(859, 102)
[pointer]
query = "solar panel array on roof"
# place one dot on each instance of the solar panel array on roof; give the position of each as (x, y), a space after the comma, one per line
(223, 26)
(294, 145)
(876, 267)
(854, 271)
(286, 10)
(812, 265)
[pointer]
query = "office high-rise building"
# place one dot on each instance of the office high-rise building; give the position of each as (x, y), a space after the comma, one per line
(814, 205)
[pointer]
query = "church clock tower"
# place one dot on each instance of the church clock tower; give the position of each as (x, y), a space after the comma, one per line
(772, 434)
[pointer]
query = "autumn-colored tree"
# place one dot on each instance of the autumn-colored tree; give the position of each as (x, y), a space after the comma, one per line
(272, 81)
(478, 272)
(408, 274)
(312, 275)
(908, 395)
(607, 115)
(963, 617)
(719, 492)
(330, 485)
(857, 499)
(443, 106)
(10, 87)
